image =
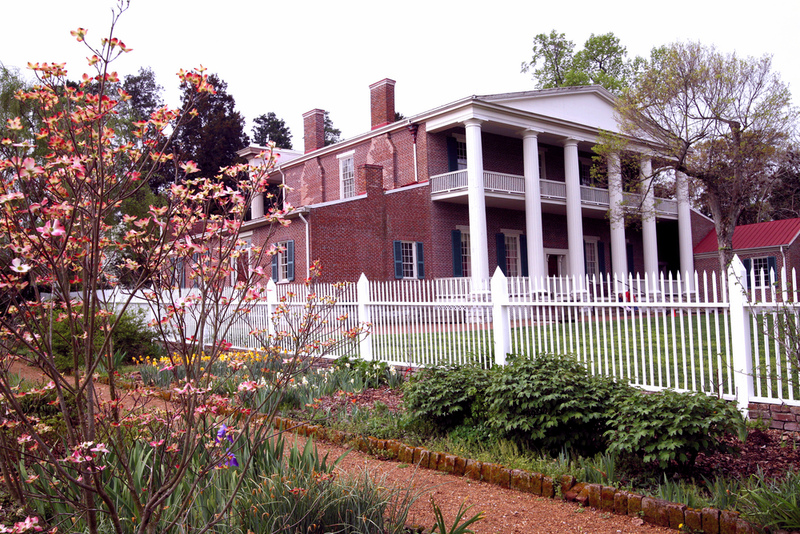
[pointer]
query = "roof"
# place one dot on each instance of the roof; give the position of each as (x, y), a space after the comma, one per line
(759, 235)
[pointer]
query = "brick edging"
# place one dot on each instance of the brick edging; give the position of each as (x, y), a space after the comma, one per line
(650, 509)
(778, 416)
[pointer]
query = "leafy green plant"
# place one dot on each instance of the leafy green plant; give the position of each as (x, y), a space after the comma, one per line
(551, 401)
(460, 526)
(773, 504)
(668, 426)
(132, 339)
(447, 395)
(600, 469)
(372, 374)
(681, 492)
(723, 492)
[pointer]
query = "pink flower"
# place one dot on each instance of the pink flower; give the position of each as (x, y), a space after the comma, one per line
(51, 229)
(190, 167)
(248, 385)
(100, 447)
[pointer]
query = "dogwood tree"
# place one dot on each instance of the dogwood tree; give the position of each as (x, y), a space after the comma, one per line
(112, 465)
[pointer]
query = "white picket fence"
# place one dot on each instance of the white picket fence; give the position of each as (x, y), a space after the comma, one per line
(708, 335)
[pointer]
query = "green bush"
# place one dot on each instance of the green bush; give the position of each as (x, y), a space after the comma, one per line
(670, 427)
(132, 337)
(447, 395)
(551, 402)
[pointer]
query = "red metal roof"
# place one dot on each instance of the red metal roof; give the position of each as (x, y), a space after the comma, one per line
(766, 234)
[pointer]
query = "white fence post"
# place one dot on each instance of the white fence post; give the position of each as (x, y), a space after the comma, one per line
(500, 317)
(740, 334)
(272, 305)
(363, 298)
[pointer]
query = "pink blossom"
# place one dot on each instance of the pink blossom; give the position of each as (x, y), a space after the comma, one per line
(248, 385)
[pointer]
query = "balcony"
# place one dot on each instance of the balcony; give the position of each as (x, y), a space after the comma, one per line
(454, 186)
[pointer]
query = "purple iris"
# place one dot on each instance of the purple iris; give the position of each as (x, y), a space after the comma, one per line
(222, 433)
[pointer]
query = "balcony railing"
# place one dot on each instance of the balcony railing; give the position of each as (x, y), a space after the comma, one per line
(497, 182)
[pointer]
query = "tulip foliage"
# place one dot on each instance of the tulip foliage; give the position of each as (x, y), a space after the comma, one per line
(123, 461)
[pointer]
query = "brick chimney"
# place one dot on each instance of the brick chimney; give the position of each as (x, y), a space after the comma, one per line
(381, 100)
(314, 130)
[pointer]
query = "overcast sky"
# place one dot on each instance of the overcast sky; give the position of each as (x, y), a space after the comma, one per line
(293, 56)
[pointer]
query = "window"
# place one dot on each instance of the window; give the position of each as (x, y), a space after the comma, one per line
(590, 257)
(283, 262)
(585, 172)
(512, 253)
(461, 153)
(461, 252)
(465, 257)
(347, 175)
(760, 269)
(542, 165)
(409, 261)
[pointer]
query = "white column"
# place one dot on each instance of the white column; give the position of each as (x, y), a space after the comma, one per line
(257, 206)
(574, 215)
(649, 239)
(533, 208)
(619, 253)
(685, 231)
(478, 238)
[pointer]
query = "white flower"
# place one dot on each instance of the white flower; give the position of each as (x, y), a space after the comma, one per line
(19, 267)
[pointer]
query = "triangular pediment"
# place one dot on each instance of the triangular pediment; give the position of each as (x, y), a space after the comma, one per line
(588, 105)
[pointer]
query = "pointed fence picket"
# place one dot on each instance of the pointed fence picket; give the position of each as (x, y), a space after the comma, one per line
(725, 336)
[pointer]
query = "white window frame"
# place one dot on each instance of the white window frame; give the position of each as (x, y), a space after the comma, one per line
(542, 164)
(513, 236)
(247, 253)
(466, 256)
(758, 270)
(590, 243)
(347, 174)
(408, 255)
(461, 151)
(585, 163)
(282, 248)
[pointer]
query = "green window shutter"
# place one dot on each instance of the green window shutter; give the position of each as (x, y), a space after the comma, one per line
(398, 259)
(629, 249)
(290, 259)
(601, 257)
(458, 269)
(771, 266)
(420, 262)
(452, 154)
(500, 240)
(523, 251)
(275, 268)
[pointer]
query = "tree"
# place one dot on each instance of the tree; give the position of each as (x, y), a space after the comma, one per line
(216, 131)
(270, 128)
(720, 119)
(602, 61)
(108, 467)
(332, 135)
(145, 93)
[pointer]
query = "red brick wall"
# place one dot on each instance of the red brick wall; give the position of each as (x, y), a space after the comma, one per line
(381, 97)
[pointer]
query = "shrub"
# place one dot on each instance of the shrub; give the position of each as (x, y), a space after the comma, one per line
(670, 427)
(447, 395)
(132, 337)
(551, 401)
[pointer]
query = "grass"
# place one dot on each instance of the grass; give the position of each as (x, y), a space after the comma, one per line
(650, 348)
